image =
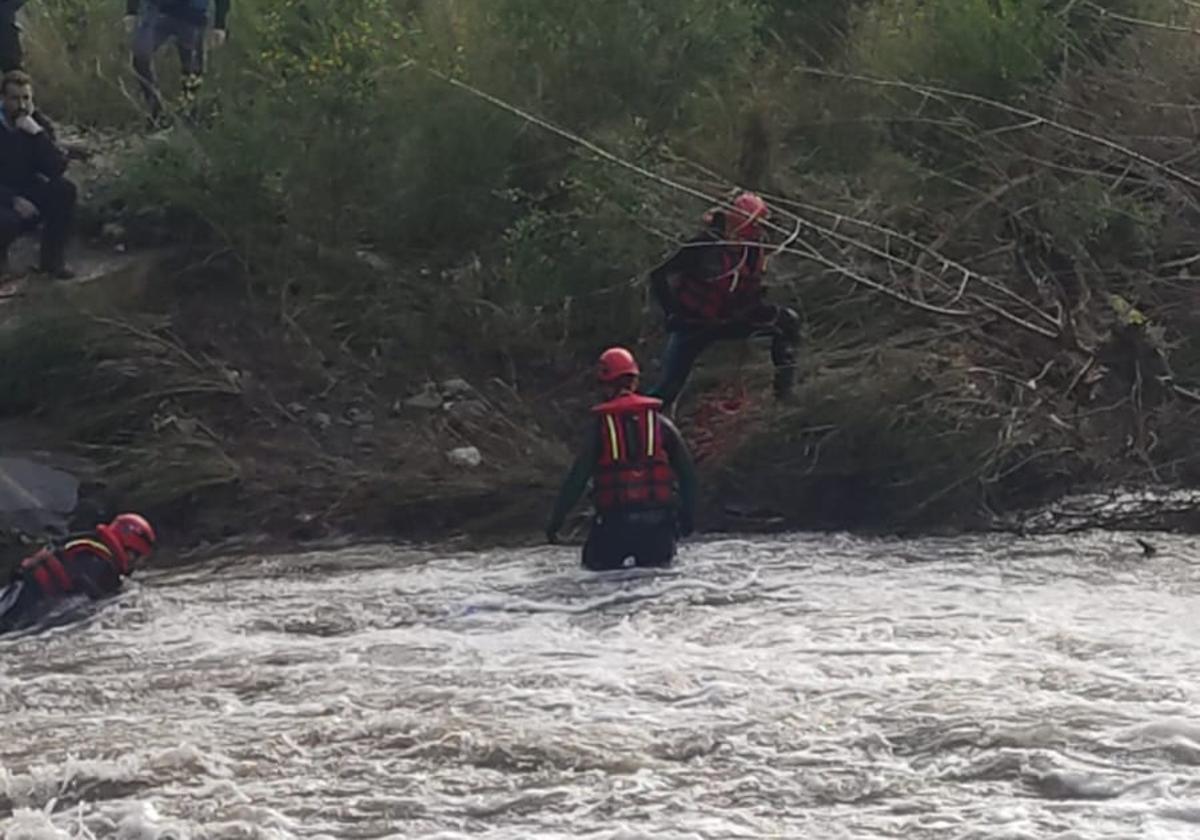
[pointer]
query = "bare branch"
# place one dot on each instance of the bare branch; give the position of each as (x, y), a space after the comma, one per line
(937, 91)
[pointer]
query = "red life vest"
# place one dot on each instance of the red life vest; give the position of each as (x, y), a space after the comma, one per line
(634, 470)
(51, 569)
(737, 286)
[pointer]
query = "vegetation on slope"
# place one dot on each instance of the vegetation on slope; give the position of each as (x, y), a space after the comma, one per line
(989, 209)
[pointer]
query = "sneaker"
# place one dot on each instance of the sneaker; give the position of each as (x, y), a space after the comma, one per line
(158, 123)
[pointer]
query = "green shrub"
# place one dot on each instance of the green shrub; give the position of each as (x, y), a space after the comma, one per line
(45, 357)
(815, 31)
(988, 47)
(78, 54)
(589, 62)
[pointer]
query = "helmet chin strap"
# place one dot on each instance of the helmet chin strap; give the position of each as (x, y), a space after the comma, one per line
(628, 386)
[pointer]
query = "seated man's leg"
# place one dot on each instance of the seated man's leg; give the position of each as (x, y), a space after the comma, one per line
(11, 226)
(55, 201)
(148, 38)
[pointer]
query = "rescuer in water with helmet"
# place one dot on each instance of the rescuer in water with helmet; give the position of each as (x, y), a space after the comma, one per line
(712, 289)
(91, 565)
(636, 460)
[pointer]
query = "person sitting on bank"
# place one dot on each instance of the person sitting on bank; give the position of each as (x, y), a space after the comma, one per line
(33, 188)
(635, 457)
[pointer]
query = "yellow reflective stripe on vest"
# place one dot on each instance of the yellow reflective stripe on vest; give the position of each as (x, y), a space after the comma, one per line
(99, 547)
(651, 422)
(612, 437)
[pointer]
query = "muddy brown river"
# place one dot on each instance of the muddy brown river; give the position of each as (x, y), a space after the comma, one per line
(791, 687)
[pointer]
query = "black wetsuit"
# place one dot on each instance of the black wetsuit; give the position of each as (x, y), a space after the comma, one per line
(81, 567)
(647, 534)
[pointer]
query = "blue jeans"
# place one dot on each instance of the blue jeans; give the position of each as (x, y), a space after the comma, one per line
(154, 29)
(687, 340)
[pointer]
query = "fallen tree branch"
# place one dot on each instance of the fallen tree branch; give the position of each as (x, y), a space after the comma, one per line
(1079, 134)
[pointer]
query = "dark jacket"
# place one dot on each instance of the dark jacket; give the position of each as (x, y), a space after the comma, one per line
(8, 10)
(26, 158)
(193, 11)
(702, 263)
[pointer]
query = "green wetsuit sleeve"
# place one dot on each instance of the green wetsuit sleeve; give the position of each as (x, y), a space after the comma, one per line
(576, 481)
(681, 463)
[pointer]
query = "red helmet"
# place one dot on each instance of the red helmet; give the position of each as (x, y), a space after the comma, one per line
(748, 210)
(134, 534)
(616, 362)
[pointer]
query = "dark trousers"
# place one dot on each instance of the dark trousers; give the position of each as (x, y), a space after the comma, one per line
(11, 55)
(21, 604)
(55, 201)
(687, 340)
(646, 536)
(154, 29)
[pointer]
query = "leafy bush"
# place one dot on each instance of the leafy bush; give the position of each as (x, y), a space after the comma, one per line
(79, 56)
(987, 47)
(590, 62)
(44, 357)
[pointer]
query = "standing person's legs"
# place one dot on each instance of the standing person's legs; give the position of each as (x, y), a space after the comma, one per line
(607, 544)
(782, 324)
(684, 346)
(189, 40)
(783, 351)
(11, 54)
(655, 546)
(152, 32)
